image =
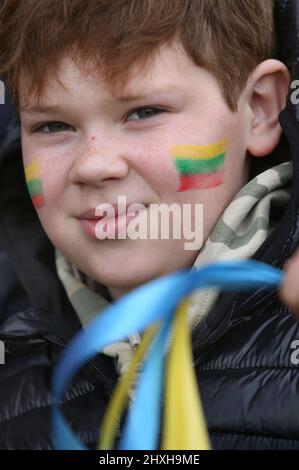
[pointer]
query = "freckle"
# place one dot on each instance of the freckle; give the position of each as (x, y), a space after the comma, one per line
(90, 150)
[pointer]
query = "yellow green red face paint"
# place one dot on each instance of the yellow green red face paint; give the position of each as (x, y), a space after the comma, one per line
(199, 166)
(34, 184)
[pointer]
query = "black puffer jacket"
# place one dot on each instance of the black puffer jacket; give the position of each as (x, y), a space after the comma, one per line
(242, 350)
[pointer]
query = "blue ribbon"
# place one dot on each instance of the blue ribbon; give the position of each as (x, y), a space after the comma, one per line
(145, 411)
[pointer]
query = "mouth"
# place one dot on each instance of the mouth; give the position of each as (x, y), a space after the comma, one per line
(110, 224)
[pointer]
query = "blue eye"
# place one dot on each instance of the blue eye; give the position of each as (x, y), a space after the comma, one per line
(55, 126)
(146, 112)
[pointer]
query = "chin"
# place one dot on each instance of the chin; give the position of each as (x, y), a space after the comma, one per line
(126, 281)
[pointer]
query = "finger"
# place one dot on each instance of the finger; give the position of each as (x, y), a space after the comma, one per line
(289, 291)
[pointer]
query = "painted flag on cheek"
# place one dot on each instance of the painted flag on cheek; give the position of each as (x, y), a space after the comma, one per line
(200, 166)
(34, 184)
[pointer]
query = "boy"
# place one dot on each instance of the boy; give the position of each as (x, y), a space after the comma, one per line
(109, 93)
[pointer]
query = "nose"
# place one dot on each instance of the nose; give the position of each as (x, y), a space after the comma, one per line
(97, 164)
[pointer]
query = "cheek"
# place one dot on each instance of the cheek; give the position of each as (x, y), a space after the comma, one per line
(157, 168)
(183, 167)
(199, 166)
(45, 179)
(54, 172)
(35, 184)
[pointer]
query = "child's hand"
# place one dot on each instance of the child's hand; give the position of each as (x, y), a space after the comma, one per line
(289, 291)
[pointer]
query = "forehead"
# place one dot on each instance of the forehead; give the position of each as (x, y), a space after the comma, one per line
(167, 71)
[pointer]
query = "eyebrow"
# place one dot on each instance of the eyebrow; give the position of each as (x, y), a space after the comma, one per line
(146, 93)
(124, 98)
(40, 109)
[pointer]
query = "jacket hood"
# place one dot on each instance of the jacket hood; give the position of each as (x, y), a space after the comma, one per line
(29, 250)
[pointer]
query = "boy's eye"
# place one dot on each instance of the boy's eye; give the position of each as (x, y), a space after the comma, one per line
(53, 127)
(145, 112)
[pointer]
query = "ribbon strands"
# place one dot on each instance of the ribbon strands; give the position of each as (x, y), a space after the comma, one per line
(167, 378)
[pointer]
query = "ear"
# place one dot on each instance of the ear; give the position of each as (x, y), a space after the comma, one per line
(266, 91)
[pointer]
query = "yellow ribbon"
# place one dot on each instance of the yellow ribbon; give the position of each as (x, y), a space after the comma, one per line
(184, 422)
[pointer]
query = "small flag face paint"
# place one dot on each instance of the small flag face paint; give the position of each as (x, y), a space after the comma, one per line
(34, 184)
(200, 166)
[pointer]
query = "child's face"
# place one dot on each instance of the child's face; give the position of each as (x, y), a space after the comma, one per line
(103, 148)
